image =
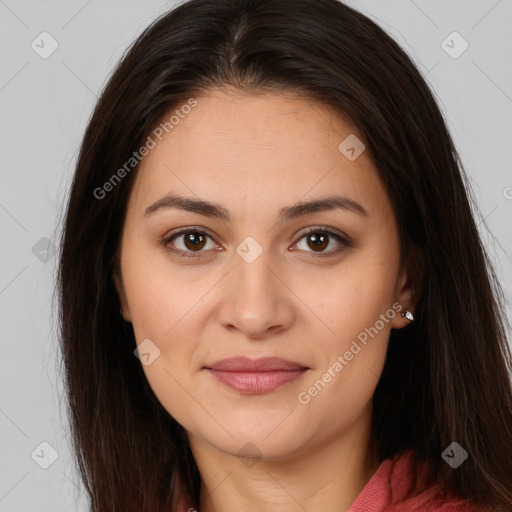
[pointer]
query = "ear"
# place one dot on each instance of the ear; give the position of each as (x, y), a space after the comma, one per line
(118, 283)
(408, 290)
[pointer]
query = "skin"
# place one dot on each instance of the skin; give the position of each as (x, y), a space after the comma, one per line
(255, 154)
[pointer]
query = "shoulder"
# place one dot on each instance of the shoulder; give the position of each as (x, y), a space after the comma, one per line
(401, 484)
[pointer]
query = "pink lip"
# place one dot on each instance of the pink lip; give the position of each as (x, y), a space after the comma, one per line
(255, 376)
(263, 364)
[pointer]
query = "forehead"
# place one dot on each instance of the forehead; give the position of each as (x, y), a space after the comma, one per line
(272, 147)
(267, 122)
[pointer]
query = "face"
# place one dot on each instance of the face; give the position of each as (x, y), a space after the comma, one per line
(256, 274)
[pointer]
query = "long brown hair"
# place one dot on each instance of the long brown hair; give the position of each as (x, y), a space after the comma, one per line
(447, 375)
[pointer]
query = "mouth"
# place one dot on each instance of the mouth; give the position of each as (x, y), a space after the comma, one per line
(256, 376)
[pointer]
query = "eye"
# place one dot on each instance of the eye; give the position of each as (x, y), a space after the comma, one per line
(318, 239)
(192, 241)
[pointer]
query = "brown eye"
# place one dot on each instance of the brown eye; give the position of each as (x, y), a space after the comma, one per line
(191, 242)
(194, 241)
(318, 240)
(188, 242)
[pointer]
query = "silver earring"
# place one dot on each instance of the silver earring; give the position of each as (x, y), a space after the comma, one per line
(407, 314)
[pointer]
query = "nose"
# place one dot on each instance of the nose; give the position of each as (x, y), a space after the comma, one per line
(256, 301)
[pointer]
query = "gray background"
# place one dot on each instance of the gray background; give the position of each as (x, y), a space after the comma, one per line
(45, 104)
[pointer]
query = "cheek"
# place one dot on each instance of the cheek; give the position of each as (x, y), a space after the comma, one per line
(159, 314)
(352, 358)
(354, 297)
(162, 310)
(356, 305)
(166, 318)
(156, 298)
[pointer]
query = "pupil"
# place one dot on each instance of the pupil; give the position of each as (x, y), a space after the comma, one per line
(190, 239)
(319, 241)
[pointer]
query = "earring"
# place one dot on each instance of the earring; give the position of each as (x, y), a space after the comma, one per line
(407, 314)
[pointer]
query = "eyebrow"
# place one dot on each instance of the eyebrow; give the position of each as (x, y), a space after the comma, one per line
(215, 210)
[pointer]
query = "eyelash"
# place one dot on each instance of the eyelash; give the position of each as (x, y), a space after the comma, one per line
(321, 230)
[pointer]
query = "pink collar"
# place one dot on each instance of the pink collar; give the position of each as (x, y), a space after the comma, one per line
(400, 485)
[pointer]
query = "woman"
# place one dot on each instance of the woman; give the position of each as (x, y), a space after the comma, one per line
(272, 287)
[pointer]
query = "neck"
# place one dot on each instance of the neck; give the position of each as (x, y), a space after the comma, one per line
(324, 476)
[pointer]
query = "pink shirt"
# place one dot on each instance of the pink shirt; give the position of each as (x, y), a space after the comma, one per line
(398, 485)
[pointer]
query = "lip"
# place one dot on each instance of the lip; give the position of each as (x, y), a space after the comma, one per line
(256, 376)
(263, 364)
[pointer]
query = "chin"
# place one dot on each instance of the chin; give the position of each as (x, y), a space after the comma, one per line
(255, 435)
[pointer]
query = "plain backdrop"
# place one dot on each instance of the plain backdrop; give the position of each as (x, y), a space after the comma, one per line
(45, 104)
